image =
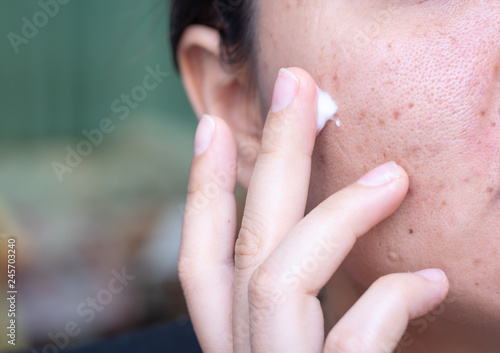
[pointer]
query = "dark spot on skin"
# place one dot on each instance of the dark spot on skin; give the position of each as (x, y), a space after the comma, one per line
(396, 115)
(495, 198)
(476, 284)
(410, 231)
(483, 113)
(411, 105)
(415, 150)
(385, 155)
(477, 262)
(489, 190)
(381, 122)
(389, 45)
(322, 158)
(373, 89)
(467, 181)
(493, 124)
(444, 203)
(335, 80)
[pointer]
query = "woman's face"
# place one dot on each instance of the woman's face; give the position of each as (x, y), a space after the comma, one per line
(417, 82)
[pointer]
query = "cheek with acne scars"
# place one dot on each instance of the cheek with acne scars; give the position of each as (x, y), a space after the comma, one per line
(424, 94)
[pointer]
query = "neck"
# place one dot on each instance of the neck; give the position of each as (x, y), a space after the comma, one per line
(431, 333)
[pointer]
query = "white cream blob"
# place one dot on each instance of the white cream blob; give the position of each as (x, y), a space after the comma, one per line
(327, 108)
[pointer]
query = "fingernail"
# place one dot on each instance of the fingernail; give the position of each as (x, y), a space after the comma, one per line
(433, 275)
(204, 134)
(381, 175)
(285, 90)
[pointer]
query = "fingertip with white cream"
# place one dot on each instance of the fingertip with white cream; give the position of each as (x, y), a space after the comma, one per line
(327, 108)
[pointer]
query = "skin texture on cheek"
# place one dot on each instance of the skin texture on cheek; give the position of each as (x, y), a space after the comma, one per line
(421, 89)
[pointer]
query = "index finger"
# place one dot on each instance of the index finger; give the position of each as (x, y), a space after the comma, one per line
(278, 190)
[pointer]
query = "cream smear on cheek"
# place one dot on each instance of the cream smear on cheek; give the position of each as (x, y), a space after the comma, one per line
(327, 108)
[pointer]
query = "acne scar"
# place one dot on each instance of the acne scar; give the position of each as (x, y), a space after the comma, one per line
(393, 257)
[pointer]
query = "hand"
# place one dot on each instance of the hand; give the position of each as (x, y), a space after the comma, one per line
(260, 295)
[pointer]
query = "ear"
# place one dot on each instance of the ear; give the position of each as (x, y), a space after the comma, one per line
(216, 89)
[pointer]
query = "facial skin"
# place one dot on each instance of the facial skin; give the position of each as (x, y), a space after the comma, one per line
(418, 83)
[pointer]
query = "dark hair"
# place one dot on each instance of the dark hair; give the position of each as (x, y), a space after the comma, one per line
(232, 18)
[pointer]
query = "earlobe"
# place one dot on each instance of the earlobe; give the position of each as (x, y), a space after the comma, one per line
(214, 88)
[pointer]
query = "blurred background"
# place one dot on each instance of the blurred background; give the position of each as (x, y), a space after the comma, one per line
(96, 140)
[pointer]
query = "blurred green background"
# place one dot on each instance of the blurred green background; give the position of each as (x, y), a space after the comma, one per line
(119, 205)
(65, 78)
